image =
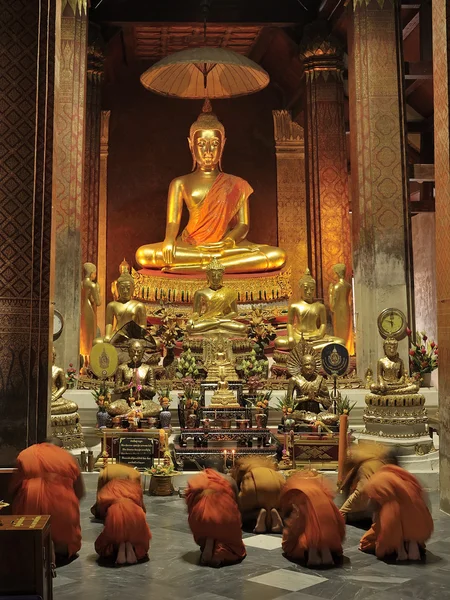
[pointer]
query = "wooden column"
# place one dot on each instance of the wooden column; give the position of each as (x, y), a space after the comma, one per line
(326, 156)
(27, 31)
(380, 211)
(441, 83)
(291, 195)
(69, 178)
(102, 218)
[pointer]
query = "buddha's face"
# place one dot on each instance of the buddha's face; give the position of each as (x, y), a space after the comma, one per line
(390, 348)
(136, 352)
(215, 278)
(206, 147)
(125, 290)
(307, 290)
(308, 366)
(93, 275)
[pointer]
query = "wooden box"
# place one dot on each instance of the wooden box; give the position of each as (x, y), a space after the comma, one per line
(25, 556)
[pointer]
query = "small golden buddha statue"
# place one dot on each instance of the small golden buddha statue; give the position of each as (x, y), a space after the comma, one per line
(223, 396)
(307, 319)
(339, 295)
(60, 405)
(310, 388)
(123, 310)
(134, 380)
(391, 377)
(218, 214)
(90, 299)
(215, 307)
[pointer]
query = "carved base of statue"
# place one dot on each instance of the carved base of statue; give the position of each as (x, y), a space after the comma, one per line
(311, 417)
(395, 415)
(122, 407)
(67, 428)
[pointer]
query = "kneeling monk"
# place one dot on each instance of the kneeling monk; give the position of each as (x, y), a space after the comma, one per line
(126, 533)
(115, 471)
(313, 525)
(48, 481)
(402, 522)
(214, 518)
(259, 483)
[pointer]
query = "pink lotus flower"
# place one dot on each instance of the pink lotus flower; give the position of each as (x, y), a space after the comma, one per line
(408, 331)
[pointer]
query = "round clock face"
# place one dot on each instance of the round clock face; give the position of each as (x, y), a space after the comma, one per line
(392, 323)
(58, 324)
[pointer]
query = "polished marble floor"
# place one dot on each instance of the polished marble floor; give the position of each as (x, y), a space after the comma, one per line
(173, 571)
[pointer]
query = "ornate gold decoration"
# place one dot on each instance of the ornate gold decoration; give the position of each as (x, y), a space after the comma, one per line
(295, 357)
(103, 360)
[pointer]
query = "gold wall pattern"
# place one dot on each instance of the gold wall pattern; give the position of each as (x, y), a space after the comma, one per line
(441, 83)
(380, 217)
(26, 98)
(102, 216)
(291, 192)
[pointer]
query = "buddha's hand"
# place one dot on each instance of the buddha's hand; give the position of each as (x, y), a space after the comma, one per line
(168, 251)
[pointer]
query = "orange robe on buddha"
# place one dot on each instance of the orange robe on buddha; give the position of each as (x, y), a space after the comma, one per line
(120, 503)
(402, 516)
(312, 522)
(44, 485)
(214, 515)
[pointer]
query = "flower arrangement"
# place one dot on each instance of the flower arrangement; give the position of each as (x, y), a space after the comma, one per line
(344, 406)
(71, 376)
(164, 397)
(187, 366)
(423, 354)
(162, 470)
(189, 399)
(171, 327)
(261, 401)
(253, 367)
(286, 404)
(261, 330)
(102, 396)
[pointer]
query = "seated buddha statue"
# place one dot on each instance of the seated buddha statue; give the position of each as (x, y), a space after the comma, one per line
(310, 388)
(391, 377)
(307, 319)
(124, 309)
(215, 307)
(60, 405)
(134, 380)
(218, 206)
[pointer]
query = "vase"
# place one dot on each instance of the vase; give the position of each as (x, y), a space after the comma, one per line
(225, 423)
(161, 485)
(165, 416)
(103, 419)
(190, 419)
(242, 423)
(261, 420)
(426, 380)
(289, 423)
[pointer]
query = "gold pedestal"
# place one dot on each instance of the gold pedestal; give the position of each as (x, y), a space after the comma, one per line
(67, 428)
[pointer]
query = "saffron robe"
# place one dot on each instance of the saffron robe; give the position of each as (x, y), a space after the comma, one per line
(313, 520)
(214, 514)
(44, 485)
(115, 471)
(259, 484)
(120, 503)
(403, 515)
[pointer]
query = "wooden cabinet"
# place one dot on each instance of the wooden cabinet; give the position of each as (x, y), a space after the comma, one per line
(25, 556)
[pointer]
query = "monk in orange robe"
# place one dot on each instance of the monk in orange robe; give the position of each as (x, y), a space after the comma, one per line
(402, 522)
(48, 481)
(214, 518)
(115, 471)
(126, 533)
(259, 483)
(313, 525)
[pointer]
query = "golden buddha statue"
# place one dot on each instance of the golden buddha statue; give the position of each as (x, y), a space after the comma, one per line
(124, 309)
(90, 299)
(223, 396)
(60, 405)
(215, 307)
(310, 388)
(307, 319)
(218, 214)
(391, 377)
(339, 295)
(134, 380)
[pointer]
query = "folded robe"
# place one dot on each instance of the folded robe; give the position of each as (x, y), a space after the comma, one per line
(314, 520)
(214, 514)
(120, 503)
(44, 485)
(403, 515)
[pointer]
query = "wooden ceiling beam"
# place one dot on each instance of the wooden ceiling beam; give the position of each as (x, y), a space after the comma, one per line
(411, 25)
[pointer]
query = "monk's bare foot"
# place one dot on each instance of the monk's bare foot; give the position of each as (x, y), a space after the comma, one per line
(121, 555)
(327, 558)
(277, 523)
(208, 552)
(260, 526)
(401, 553)
(314, 559)
(130, 554)
(413, 551)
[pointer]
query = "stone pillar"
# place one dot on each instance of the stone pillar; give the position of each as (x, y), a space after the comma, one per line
(326, 156)
(27, 31)
(102, 218)
(89, 222)
(380, 211)
(69, 181)
(441, 83)
(291, 194)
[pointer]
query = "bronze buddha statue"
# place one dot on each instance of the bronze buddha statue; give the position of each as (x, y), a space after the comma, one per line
(310, 388)
(391, 377)
(218, 205)
(59, 404)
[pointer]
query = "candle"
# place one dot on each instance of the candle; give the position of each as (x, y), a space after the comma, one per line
(224, 460)
(233, 452)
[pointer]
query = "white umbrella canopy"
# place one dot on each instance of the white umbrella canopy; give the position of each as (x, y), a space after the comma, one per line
(205, 73)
